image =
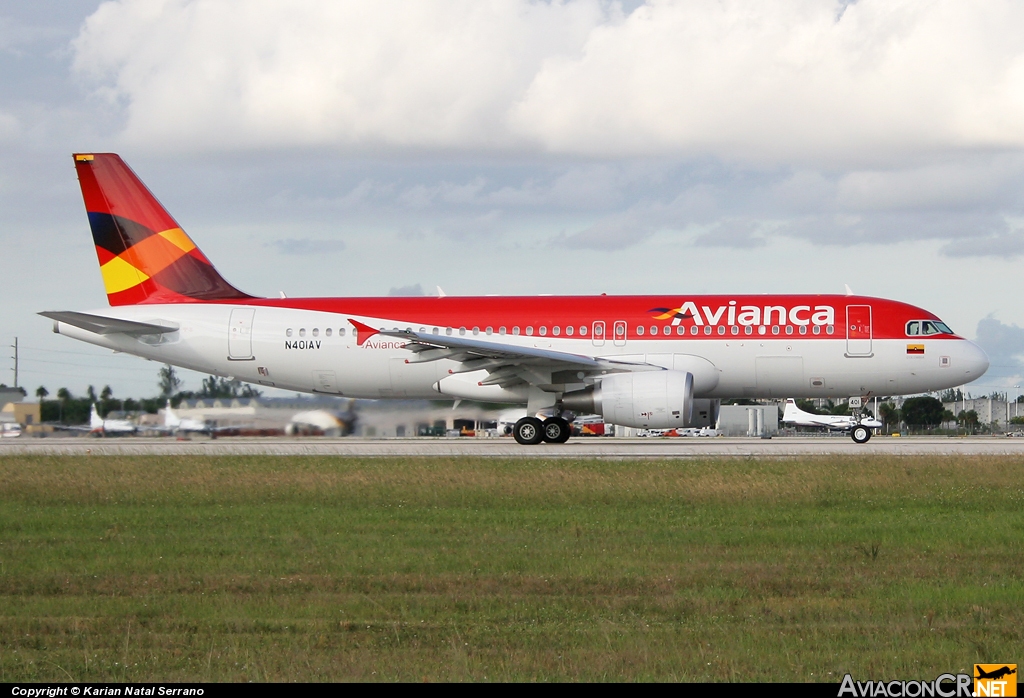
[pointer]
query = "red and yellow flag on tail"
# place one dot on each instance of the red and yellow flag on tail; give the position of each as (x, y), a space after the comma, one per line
(144, 255)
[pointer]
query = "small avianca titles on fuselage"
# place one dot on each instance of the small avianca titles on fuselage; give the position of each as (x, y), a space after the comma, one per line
(652, 362)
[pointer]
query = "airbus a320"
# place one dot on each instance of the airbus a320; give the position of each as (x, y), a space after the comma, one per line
(651, 362)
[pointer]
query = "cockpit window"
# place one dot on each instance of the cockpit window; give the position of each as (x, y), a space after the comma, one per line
(926, 327)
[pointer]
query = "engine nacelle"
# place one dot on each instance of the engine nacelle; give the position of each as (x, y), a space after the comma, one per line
(646, 400)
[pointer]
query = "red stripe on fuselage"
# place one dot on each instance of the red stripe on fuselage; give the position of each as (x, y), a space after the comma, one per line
(889, 318)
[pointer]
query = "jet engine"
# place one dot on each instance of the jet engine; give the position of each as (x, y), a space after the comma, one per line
(646, 400)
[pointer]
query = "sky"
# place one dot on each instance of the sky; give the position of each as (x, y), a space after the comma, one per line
(334, 147)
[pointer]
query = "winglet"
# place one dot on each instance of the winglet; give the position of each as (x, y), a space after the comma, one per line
(849, 291)
(363, 332)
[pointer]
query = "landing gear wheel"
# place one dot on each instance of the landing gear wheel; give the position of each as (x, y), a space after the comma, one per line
(528, 431)
(860, 435)
(556, 430)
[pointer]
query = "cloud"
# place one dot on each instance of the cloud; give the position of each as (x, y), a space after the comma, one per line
(413, 290)
(764, 81)
(741, 234)
(306, 246)
(1004, 344)
(1009, 244)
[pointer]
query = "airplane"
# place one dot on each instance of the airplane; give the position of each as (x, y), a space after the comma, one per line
(649, 362)
(103, 427)
(858, 428)
(176, 425)
(995, 673)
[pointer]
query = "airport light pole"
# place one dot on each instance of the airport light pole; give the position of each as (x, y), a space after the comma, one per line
(15, 357)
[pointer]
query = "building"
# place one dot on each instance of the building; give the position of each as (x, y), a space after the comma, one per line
(990, 412)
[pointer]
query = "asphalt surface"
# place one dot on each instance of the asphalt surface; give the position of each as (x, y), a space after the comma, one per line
(589, 447)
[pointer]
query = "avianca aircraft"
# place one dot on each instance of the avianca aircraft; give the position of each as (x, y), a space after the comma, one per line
(651, 362)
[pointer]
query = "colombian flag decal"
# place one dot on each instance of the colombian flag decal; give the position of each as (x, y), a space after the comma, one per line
(915, 349)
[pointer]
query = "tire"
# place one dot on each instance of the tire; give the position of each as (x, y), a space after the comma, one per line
(528, 431)
(860, 435)
(556, 430)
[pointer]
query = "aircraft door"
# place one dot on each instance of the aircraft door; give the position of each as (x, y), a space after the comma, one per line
(858, 330)
(620, 333)
(325, 382)
(240, 334)
(597, 333)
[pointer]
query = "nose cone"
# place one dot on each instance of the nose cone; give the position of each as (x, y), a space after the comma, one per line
(974, 361)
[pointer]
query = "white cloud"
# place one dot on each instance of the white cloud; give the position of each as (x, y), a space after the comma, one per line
(755, 80)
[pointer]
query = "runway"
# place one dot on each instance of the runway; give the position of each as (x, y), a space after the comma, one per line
(612, 448)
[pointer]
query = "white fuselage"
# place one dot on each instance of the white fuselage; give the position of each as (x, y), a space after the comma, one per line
(290, 348)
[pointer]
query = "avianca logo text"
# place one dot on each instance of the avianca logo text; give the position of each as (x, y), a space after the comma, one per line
(732, 314)
(381, 344)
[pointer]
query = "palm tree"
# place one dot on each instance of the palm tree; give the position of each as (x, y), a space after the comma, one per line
(41, 393)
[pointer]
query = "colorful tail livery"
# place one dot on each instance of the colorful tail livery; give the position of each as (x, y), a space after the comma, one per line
(144, 254)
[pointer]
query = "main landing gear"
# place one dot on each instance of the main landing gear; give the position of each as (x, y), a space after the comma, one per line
(860, 435)
(530, 430)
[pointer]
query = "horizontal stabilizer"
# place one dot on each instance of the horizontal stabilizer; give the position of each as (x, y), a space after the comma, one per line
(107, 325)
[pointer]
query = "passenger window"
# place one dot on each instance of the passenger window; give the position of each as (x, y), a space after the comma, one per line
(341, 332)
(316, 331)
(515, 330)
(327, 332)
(435, 330)
(707, 329)
(830, 329)
(775, 329)
(735, 329)
(501, 330)
(302, 332)
(583, 330)
(721, 329)
(529, 330)
(288, 332)
(693, 329)
(448, 331)
(476, 330)
(748, 330)
(462, 330)
(817, 329)
(667, 329)
(543, 331)
(789, 329)
(654, 330)
(556, 330)
(640, 329)
(568, 330)
(489, 330)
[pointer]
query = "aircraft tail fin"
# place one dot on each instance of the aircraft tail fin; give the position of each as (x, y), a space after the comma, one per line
(95, 421)
(144, 255)
(171, 420)
(792, 412)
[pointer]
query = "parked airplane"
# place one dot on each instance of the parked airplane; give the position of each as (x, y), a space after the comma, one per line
(651, 362)
(176, 425)
(103, 427)
(859, 428)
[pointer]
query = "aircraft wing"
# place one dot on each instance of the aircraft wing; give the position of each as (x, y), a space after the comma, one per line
(503, 361)
(106, 325)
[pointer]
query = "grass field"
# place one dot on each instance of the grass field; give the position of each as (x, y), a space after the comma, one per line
(306, 568)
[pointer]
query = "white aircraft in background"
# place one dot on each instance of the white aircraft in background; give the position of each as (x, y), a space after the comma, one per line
(176, 425)
(859, 428)
(103, 427)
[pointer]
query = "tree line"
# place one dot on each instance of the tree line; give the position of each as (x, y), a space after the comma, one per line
(66, 408)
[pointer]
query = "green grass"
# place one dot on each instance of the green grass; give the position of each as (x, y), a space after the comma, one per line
(306, 568)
